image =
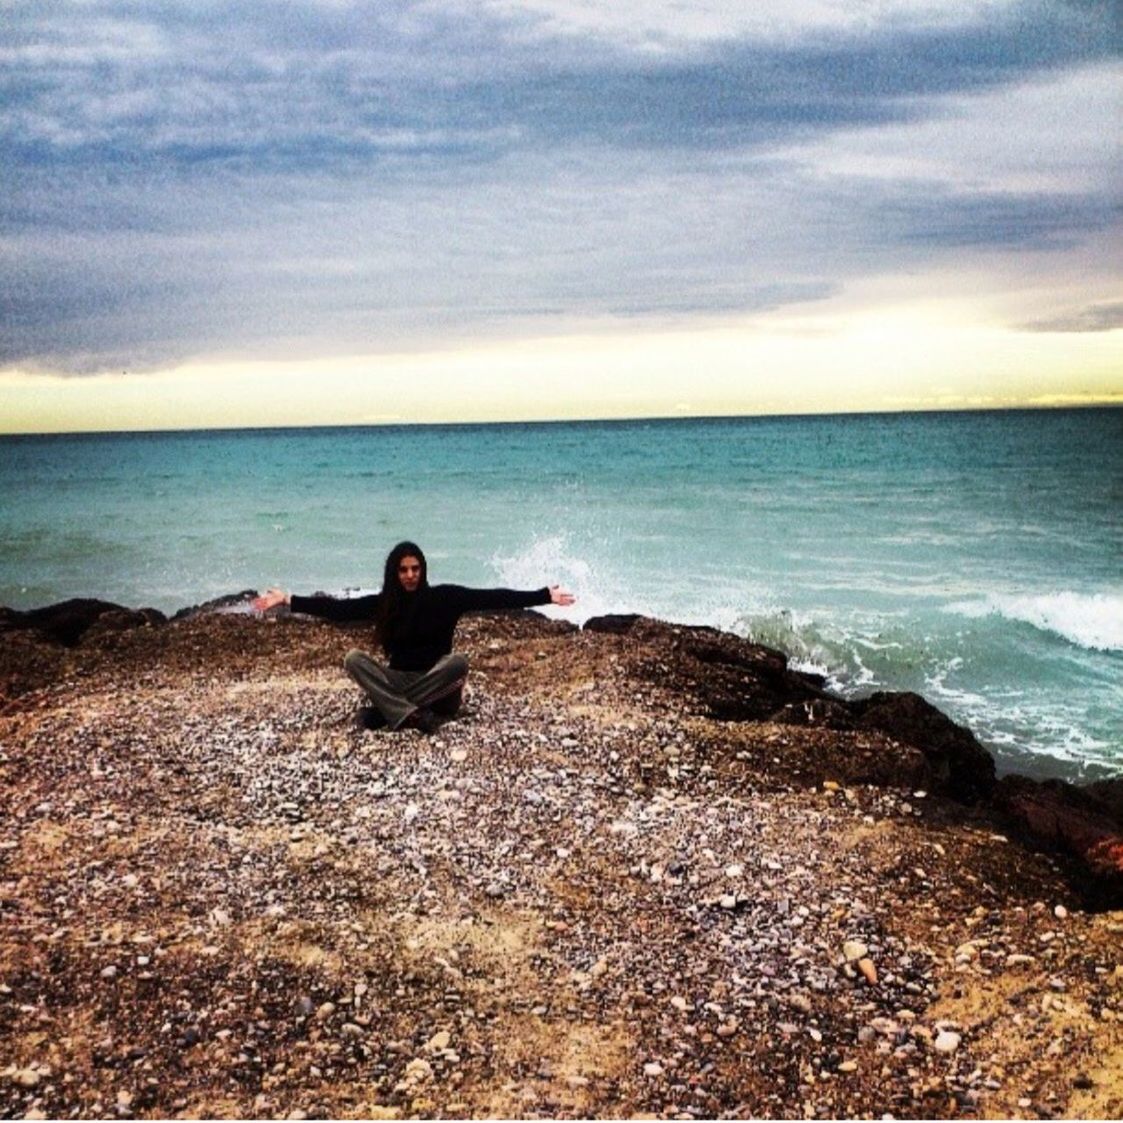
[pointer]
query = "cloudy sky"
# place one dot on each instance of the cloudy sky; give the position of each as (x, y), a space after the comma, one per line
(328, 212)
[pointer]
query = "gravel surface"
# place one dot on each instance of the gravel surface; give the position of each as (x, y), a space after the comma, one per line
(219, 896)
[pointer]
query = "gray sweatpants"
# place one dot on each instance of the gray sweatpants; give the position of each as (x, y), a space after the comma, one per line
(398, 694)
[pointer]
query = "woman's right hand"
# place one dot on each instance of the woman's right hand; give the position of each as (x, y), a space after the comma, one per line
(270, 599)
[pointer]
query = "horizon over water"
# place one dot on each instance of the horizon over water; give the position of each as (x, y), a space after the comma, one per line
(972, 557)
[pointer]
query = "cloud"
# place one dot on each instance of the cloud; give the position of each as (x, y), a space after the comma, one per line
(285, 87)
(1098, 317)
(317, 177)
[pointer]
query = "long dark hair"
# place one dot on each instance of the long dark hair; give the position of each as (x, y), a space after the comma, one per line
(393, 596)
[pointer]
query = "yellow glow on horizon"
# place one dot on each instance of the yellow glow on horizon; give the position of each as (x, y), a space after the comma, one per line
(922, 354)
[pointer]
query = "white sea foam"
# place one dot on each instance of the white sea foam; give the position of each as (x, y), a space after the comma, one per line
(551, 561)
(1090, 620)
(812, 646)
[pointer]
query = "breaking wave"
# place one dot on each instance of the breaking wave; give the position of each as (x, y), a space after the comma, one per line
(1090, 620)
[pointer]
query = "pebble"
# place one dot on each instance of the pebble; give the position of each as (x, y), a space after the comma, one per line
(26, 1077)
(418, 1070)
(438, 1042)
(458, 756)
(946, 1041)
(678, 1002)
(869, 970)
(1060, 912)
(653, 1069)
(854, 950)
(109, 973)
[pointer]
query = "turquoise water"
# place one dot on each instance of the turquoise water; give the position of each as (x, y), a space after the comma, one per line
(974, 557)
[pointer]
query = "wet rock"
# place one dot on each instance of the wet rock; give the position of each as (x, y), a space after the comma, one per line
(960, 766)
(69, 621)
(815, 711)
(1076, 821)
(229, 602)
(612, 623)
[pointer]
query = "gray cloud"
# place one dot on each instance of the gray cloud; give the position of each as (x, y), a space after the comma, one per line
(1107, 316)
(245, 178)
(287, 87)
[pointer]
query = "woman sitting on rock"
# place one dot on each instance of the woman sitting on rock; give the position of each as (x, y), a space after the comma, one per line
(414, 623)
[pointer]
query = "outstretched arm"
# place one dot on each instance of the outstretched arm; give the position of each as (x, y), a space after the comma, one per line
(461, 599)
(270, 599)
(342, 610)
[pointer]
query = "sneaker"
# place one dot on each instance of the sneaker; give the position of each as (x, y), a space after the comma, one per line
(370, 718)
(423, 719)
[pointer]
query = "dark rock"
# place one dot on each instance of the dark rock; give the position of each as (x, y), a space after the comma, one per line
(961, 767)
(122, 620)
(218, 604)
(1078, 822)
(719, 648)
(69, 621)
(814, 754)
(1108, 795)
(729, 677)
(816, 711)
(613, 623)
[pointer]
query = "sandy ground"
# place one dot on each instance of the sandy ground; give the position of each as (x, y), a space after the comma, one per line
(583, 897)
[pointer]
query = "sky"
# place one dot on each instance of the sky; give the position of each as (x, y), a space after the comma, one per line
(324, 212)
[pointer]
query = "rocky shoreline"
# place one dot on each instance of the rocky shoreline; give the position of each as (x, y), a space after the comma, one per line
(648, 871)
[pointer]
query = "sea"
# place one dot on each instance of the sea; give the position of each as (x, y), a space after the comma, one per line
(973, 557)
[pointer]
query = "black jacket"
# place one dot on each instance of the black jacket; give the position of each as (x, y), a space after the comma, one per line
(429, 617)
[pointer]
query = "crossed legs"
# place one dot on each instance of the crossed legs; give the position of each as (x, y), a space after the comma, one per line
(398, 695)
